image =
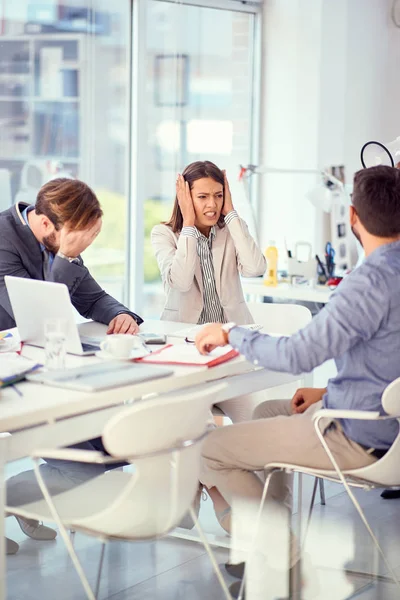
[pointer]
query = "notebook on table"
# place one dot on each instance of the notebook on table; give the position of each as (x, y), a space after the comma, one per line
(187, 355)
(100, 376)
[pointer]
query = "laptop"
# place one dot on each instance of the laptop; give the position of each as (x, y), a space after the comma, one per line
(100, 376)
(34, 301)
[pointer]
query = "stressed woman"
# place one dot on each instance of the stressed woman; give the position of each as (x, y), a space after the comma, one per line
(203, 249)
(201, 252)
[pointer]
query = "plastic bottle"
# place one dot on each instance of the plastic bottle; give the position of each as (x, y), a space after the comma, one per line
(271, 254)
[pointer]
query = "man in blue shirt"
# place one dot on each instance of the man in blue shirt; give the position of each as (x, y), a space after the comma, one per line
(359, 328)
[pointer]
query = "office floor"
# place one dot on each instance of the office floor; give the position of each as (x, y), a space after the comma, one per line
(176, 570)
(172, 569)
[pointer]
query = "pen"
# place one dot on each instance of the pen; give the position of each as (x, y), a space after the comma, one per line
(320, 264)
(14, 387)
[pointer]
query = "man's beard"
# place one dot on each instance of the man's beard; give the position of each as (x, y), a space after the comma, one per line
(357, 236)
(50, 243)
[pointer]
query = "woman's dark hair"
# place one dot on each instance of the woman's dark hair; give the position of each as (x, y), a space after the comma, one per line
(376, 199)
(193, 172)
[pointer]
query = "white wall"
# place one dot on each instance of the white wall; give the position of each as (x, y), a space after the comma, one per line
(330, 83)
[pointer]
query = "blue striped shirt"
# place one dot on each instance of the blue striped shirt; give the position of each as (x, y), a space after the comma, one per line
(360, 329)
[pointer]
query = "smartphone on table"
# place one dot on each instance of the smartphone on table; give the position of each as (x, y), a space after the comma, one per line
(153, 338)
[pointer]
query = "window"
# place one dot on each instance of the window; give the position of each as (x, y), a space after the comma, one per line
(199, 102)
(64, 110)
(66, 94)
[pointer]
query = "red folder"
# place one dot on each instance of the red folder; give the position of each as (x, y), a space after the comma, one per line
(188, 356)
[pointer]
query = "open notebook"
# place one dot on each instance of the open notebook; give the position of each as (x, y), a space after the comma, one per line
(183, 354)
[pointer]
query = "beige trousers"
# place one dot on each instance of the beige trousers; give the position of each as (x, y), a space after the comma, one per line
(233, 454)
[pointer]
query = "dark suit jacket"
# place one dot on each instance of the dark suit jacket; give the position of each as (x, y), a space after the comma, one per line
(21, 256)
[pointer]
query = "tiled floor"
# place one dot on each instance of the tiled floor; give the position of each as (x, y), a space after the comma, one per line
(173, 569)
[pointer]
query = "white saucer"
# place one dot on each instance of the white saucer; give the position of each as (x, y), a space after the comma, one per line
(134, 354)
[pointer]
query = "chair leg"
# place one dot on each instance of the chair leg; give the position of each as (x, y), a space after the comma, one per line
(75, 560)
(355, 503)
(310, 510)
(103, 547)
(322, 491)
(372, 534)
(211, 555)
(299, 504)
(63, 532)
(257, 524)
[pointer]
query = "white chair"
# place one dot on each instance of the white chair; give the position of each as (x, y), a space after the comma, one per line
(280, 319)
(162, 437)
(384, 473)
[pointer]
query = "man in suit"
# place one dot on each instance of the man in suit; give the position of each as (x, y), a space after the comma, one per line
(45, 242)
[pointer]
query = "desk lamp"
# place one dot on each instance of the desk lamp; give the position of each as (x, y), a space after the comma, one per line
(375, 153)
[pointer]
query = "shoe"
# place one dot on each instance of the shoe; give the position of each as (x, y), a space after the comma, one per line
(224, 519)
(36, 530)
(11, 546)
(236, 570)
(187, 521)
(234, 589)
(390, 494)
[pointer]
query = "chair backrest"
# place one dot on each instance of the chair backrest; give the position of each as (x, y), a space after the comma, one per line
(162, 487)
(386, 470)
(391, 398)
(281, 319)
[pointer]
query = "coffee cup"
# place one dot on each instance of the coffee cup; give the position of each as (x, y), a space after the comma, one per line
(120, 345)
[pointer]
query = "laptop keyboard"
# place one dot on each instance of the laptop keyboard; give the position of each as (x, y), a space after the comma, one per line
(90, 347)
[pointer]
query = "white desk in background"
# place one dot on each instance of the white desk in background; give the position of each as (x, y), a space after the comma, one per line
(46, 417)
(254, 287)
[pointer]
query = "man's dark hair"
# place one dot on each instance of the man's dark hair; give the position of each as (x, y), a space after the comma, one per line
(68, 202)
(376, 198)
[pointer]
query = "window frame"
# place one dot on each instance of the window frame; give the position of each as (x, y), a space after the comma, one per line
(137, 129)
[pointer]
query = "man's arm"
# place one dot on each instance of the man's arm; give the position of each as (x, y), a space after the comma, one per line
(354, 313)
(89, 299)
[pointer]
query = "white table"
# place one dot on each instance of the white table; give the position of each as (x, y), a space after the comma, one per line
(300, 293)
(45, 416)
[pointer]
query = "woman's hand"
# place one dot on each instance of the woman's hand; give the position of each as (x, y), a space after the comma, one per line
(228, 205)
(185, 202)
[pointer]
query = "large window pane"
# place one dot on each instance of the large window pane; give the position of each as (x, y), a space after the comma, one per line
(64, 110)
(199, 106)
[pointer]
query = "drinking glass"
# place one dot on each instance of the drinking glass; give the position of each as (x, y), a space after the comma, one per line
(55, 341)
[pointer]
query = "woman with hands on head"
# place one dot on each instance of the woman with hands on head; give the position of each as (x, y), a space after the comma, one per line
(204, 249)
(201, 252)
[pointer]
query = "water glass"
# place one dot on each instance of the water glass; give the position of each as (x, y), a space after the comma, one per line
(54, 344)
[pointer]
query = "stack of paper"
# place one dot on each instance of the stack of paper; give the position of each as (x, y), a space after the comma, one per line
(13, 368)
(8, 342)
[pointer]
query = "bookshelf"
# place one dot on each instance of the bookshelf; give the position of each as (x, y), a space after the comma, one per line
(44, 102)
